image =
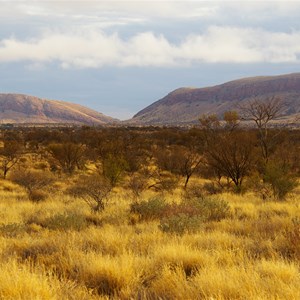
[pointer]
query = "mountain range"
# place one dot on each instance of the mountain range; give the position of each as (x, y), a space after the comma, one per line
(18, 108)
(186, 105)
(181, 106)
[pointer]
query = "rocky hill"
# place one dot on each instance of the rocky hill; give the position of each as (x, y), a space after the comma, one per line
(17, 108)
(185, 105)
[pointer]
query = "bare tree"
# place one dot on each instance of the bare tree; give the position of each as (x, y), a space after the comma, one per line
(229, 151)
(262, 112)
(232, 156)
(35, 182)
(93, 189)
(67, 155)
(137, 184)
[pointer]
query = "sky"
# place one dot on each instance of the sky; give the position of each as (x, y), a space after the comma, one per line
(118, 57)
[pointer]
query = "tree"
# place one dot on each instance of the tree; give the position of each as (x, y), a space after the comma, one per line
(179, 160)
(10, 155)
(262, 112)
(113, 168)
(229, 151)
(93, 189)
(68, 156)
(231, 119)
(137, 184)
(232, 156)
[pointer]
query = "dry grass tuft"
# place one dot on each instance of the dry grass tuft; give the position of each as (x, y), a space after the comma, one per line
(59, 249)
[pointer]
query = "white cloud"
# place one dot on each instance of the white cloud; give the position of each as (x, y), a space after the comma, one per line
(94, 49)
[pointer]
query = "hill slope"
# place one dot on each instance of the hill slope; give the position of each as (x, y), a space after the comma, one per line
(18, 108)
(185, 105)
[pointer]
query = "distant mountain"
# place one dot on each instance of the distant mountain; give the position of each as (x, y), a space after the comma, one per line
(186, 105)
(18, 108)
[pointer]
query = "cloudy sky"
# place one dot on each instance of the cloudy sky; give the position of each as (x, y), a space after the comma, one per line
(119, 56)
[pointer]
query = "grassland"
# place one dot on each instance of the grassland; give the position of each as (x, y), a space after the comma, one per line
(59, 249)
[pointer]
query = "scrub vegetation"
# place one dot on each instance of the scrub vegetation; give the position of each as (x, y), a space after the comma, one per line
(209, 212)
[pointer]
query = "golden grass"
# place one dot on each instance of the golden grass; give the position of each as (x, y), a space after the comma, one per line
(248, 255)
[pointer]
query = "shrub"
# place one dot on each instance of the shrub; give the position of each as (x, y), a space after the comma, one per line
(210, 209)
(114, 168)
(214, 208)
(190, 214)
(136, 185)
(37, 195)
(150, 209)
(94, 190)
(281, 181)
(12, 230)
(192, 192)
(65, 221)
(181, 223)
(34, 182)
(212, 188)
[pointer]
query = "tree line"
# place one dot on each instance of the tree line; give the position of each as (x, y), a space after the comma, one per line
(236, 152)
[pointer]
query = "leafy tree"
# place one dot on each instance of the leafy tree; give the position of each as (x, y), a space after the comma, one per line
(113, 168)
(10, 154)
(179, 160)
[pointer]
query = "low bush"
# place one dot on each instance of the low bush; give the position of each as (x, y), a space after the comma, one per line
(65, 222)
(215, 209)
(280, 180)
(181, 223)
(12, 230)
(35, 182)
(192, 192)
(183, 217)
(212, 188)
(150, 209)
(93, 189)
(190, 214)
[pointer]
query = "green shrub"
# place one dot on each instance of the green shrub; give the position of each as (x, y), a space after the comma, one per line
(281, 181)
(181, 223)
(150, 209)
(66, 221)
(213, 209)
(210, 209)
(191, 213)
(182, 217)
